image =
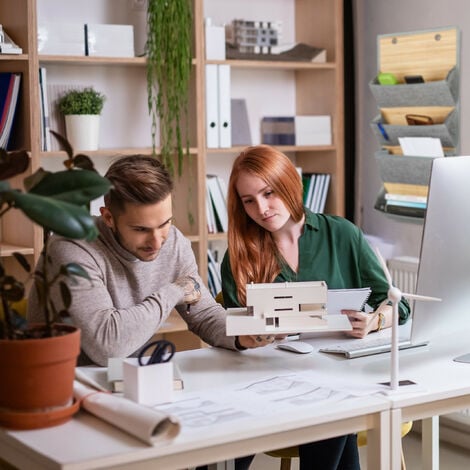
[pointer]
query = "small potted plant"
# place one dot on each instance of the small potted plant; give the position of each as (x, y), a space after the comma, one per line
(37, 362)
(82, 110)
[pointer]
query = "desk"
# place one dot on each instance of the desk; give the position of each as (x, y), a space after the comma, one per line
(87, 442)
(446, 388)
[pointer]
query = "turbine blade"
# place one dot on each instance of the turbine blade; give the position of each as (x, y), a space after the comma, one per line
(421, 297)
(384, 267)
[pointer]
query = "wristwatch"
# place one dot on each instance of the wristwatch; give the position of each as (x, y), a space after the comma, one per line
(381, 323)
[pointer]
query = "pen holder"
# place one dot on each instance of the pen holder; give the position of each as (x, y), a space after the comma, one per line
(149, 384)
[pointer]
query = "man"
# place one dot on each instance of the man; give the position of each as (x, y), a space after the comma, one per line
(141, 267)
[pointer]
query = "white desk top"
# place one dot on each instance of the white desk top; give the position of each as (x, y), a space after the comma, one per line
(87, 442)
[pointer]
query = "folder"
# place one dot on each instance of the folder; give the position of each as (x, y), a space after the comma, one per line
(212, 111)
(225, 124)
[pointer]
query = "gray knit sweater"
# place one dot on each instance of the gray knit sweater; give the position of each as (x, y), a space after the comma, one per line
(128, 300)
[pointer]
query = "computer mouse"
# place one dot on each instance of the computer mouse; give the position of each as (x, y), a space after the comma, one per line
(296, 347)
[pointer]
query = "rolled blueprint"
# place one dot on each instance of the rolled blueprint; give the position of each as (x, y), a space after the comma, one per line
(147, 424)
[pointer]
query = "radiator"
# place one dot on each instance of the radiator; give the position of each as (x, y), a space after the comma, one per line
(404, 272)
(454, 427)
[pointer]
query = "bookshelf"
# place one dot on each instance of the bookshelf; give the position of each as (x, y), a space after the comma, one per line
(314, 88)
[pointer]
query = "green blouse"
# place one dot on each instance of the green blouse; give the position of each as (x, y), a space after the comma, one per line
(333, 250)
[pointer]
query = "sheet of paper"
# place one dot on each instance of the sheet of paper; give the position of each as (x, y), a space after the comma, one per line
(421, 146)
(346, 299)
(290, 394)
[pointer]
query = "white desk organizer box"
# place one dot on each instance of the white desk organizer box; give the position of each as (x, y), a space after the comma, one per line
(148, 384)
(274, 308)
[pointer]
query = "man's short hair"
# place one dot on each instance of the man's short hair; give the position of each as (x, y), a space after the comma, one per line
(137, 179)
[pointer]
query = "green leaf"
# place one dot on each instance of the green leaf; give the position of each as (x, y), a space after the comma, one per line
(13, 163)
(63, 218)
(22, 261)
(83, 161)
(65, 294)
(74, 269)
(11, 289)
(74, 186)
(64, 143)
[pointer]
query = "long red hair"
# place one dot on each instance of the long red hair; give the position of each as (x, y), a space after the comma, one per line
(252, 251)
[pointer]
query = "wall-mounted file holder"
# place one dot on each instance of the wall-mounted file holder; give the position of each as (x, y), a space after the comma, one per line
(433, 56)
(405, 178)
(447, 131)
(437, 93)
(404, 170)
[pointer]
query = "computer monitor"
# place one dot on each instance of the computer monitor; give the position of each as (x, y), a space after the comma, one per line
(444, 268)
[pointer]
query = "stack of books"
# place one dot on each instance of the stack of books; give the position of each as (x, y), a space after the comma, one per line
(216, 204)
(316, 190)
(214, 279)
(9, 91)
(46, 144)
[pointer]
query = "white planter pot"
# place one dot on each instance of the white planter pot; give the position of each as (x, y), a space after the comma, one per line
(83, 131)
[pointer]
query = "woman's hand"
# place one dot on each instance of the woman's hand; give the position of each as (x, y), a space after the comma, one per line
(359, 322)
(363, 323)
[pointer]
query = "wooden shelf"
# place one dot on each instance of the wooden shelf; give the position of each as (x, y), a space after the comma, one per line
(282, 148)
(13, 57)
(8, 250)
(275, 64)
(173, 324)
(217, 236)
(112, 151)
(86, 60)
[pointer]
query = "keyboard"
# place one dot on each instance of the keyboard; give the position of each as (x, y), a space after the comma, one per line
(367, 347)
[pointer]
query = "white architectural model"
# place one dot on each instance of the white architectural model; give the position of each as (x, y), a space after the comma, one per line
(273, 308)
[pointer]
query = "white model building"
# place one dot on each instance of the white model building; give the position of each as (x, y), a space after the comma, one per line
(273, 308)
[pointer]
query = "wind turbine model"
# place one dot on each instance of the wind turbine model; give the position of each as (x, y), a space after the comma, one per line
(394, 296)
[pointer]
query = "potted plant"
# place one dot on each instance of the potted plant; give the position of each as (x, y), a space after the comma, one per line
(36, 359)
(168, 50)
(82, 110)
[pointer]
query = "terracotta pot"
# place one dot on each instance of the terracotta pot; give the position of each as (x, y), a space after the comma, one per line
(37, 376)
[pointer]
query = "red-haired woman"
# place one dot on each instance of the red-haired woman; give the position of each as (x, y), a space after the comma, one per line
(272, 237)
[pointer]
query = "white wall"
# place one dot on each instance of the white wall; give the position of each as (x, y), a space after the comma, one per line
(374, 17)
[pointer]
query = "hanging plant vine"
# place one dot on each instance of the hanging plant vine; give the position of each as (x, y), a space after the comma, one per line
(168, 48)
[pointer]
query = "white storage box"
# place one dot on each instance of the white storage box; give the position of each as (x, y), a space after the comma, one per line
(215, 41)
(110, 40)
(61, 39)
(313, 130)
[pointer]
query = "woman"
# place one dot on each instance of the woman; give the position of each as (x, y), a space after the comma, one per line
(272, 237)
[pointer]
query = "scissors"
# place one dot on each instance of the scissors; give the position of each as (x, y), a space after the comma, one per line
(163, 352)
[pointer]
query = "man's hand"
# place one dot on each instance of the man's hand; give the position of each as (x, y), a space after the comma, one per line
(192, 289)
(255, 341)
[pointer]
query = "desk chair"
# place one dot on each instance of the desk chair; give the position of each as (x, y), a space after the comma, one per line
(287, 454)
